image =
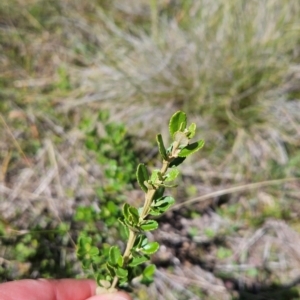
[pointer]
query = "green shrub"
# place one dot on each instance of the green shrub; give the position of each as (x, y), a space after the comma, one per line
(112, 269)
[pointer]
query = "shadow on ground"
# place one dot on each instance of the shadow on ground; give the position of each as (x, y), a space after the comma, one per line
(272, 292)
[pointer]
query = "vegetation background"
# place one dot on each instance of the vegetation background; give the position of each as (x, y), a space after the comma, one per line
(84, 88)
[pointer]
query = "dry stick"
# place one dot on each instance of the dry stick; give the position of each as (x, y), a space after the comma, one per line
(4, 166)
(16, 142)
(52, 158)
(234, 189)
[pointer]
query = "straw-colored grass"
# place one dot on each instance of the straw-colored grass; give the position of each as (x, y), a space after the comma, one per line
(233, 66)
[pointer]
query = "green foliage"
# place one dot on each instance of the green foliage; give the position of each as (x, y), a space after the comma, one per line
(113, 147)
(161, 205)
(209, 232)
(177, 123)
(223, 253)
(148, 274)
(26, 248)
(111, 268)
(148, 225)
(142, 177)
(161, 146)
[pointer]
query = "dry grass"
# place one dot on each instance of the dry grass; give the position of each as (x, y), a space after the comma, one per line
(232, 65)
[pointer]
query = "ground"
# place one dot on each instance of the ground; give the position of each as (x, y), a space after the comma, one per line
(232, 66)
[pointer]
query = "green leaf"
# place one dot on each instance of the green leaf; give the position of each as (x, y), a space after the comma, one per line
(192, 130)
(123, 229)
(164, 201)
(155, 211)
(131, 215)
(191, 148)
(86, 214)
(176, 162)
(115, 256)
(85, 250)
(159, 192)
(84, 240)
(138, 260)
(172, 174)
(134, 213)
(112, 207)
(125, 211)
(177, 122)
(156, 176)
(90, 144)
(150, 248)
(144, 241)
(111, 269)
(98, 259)
(161, 147)
(140, 240)
(149, 225)
(142, 176)
(149, 271)
(161, 205)
(121, 273)
(102, 278)
(86, 263)
(121, 220)
(121, 261)
(94, 251)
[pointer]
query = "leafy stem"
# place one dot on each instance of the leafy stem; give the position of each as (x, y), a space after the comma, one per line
(114, 270)
(133, 234)
(126, 256)
(148, 200)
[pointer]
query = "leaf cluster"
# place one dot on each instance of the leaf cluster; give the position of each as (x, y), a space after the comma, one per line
(112, 145)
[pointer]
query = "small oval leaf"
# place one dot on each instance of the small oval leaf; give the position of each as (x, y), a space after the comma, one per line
(142, 176)
(149, 271)
(149, 225)
(94, 251)
(177, 122)
(161, 205)
(154, 211)
(114, 255)
(161, 147)
(192, 130)
(177, 161)
(155, 176)
(138, 260)
(166, 200)
(191, 148)
(172, 174)
(150, 248)
(125, 211)
(121, 273)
